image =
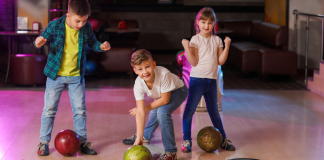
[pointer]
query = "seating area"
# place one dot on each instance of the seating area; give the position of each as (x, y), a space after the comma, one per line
(260, 47)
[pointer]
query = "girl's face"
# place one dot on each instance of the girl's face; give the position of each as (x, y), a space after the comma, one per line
(206, 26)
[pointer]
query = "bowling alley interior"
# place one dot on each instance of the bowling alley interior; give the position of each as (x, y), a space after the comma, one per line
(68, 71)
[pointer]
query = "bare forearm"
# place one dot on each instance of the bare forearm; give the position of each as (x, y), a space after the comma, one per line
(190, 57)
(140, 123)
(156, 104)
(223, 56)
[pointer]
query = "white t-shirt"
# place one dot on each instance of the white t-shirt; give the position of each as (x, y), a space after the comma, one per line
(207, 52)
(164, 81)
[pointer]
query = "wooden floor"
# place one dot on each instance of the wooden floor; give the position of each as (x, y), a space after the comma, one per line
(263, 124)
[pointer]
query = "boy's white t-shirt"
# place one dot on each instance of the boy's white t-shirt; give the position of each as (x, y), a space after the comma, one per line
(207, 52)
(164, 81)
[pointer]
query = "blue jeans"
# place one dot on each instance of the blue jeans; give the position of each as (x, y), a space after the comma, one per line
(162, 116)
(199, 87)
(52, 96)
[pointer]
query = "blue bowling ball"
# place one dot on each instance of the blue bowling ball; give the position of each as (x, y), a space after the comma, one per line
(90, 67)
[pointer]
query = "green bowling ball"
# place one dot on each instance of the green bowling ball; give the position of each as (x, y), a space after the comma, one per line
(137, 152)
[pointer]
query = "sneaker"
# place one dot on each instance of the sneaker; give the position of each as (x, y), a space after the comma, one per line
(131, 140)
(43, 149)
(168, 156)
(227, 145)
(186, 146)
(86, 148)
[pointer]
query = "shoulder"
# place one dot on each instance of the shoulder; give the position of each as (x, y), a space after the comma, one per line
(162, 70)
(195, 37)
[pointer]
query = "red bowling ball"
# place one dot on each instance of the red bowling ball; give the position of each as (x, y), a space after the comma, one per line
(67, 142)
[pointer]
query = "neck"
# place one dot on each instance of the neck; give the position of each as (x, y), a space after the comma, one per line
(206, 35)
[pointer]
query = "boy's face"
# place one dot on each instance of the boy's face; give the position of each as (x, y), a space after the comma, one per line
(205, 26)
(145, 70)
(75, 21)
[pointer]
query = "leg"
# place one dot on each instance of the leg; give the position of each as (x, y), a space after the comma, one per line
(196, 90)
(52, 96)
(77, 97)
(165, 119)
(151, 125)
(212, 108)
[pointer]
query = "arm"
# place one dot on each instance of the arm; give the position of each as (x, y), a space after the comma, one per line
(165, 98)
(222, 54)
(191, 53)
(140, 122)
(43, 37)
(94, 44)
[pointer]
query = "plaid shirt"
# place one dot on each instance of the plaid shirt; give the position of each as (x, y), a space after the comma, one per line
(55, 34)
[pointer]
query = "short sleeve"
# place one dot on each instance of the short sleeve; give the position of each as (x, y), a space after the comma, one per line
(193, 42)
(138, 91)
(219, 42)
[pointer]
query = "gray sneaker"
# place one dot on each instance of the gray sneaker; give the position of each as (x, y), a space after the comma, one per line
(131, 140)
(43, 149)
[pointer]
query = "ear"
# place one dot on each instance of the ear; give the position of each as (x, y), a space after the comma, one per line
(68, 15)
(154, 64)
(135, 70)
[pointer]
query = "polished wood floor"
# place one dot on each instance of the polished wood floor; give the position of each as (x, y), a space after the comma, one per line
(263, 124)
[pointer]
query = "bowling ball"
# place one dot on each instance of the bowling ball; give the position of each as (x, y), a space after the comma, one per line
(122, 25)
(209, 139)
(67, 142)
(94, 23)
(180, 58)
(90, 67)
(138, 152)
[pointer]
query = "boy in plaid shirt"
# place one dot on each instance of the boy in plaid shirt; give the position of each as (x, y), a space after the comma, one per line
(68, 37)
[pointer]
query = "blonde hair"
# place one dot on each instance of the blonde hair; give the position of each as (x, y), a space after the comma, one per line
(206, 13)
(139, 56)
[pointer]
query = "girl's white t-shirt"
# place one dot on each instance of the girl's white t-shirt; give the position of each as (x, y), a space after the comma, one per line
(164, 81)
(207, 52)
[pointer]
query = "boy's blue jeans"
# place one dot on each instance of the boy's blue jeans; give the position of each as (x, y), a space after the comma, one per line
(199, 87)
(162, 116)
(52, 96)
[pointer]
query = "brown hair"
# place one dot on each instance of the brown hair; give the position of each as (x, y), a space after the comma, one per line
(79, 7)
(206, 13)
(139, 56)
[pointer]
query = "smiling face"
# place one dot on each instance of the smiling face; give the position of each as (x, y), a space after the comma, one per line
(146, 70)
(75, 21)
(206, 26)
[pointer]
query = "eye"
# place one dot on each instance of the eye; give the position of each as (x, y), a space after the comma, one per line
(147, 66)
(139, 69)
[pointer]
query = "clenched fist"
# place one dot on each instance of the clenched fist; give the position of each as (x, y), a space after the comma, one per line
(185, 43)
(227, 41)
(40, 41)
(105, 46)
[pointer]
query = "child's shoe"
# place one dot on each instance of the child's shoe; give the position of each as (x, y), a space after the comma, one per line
(227, 145)
(131, 140)
(186, 146)
(43, 149)
(168, 156)
(86, 148)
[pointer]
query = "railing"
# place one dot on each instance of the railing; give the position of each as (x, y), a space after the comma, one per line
(296, 13)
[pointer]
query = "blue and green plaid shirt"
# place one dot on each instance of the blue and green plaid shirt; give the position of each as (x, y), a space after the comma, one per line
(55, 34)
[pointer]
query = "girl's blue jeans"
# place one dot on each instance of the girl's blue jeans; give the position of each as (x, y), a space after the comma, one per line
(199, 87)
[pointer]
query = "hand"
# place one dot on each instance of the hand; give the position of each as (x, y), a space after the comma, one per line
(133, 112)
(105, 46)
(185, 43)
(227, 41)
(138, 141)
(40, 41)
